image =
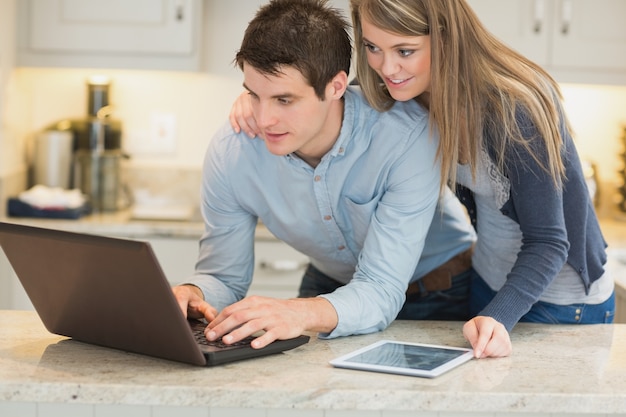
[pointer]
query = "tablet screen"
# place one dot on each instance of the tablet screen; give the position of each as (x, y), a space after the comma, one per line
(405, 358)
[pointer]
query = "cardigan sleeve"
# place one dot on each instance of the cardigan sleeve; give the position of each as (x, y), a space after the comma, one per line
(536, 204)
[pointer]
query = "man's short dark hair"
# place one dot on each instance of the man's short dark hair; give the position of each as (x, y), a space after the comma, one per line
(307, 35)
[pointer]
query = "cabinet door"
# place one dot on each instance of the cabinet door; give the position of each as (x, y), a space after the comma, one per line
(12, 293)
(148, 26)
(145, 34)
(524, 25)
(177, 256)
(590, 34)
(278, 269)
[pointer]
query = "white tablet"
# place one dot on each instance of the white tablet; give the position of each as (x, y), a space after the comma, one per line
(414, 359)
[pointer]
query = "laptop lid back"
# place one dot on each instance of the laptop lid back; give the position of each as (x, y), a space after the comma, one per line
(100, 290)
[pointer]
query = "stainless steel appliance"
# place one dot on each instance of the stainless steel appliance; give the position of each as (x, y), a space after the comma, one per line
(97, 149)
(53, 158)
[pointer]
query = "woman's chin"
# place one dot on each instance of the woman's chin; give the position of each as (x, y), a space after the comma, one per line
(402, 96)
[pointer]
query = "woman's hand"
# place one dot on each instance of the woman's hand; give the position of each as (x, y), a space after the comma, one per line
(241, 117)
(488, 337)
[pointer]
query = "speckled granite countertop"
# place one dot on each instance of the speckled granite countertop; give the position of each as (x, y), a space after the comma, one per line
(121, 223)
(554, 369)
(118, 223)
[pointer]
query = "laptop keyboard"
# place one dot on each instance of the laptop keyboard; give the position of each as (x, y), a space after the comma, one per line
(198, 333)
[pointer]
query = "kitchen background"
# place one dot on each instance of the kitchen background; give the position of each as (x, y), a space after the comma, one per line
(169, 116)
(173, 83)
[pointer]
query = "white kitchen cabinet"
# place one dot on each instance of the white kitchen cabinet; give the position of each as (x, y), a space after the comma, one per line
(12, 294)
(575, 40)
(278, 268)
(142, 34)
(177, 256)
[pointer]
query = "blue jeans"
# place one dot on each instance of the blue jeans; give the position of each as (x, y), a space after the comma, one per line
(450, 304)
(541, 312)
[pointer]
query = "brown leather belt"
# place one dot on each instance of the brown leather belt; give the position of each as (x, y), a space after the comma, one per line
(440, 278)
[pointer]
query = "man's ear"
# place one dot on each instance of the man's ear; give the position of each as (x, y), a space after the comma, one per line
(337, 86)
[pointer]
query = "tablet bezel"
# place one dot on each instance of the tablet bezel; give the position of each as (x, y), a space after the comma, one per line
(346, 361)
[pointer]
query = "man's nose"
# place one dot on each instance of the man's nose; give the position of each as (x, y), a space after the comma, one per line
(265, 116)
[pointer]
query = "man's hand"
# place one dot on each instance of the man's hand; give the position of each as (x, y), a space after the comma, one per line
(488, 337)
(241, 116)
(280, 319)
(192, 303)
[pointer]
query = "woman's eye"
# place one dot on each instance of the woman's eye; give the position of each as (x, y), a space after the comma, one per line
(405, 52)
(284, 101)
(370, 47)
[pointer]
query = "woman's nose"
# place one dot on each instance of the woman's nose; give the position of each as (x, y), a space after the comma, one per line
(389, 66)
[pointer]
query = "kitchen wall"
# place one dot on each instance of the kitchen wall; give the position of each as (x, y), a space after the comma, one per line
(199, 102)
(7, 61)
(13, 124)
(598, 116)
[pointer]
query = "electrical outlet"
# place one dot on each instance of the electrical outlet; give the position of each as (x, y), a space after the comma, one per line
(162, 133)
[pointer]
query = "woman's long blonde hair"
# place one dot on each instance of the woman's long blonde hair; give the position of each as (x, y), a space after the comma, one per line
(477, 82)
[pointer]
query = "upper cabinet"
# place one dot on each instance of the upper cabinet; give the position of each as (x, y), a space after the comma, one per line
(137, 34)
(581, 41)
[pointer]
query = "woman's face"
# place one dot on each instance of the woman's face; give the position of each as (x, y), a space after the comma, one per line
(403, 62)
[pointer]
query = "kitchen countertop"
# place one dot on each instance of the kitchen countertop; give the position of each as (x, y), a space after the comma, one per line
(553, 369)
(117, 223)
(122, 223)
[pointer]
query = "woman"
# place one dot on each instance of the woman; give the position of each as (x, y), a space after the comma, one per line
(506, 145)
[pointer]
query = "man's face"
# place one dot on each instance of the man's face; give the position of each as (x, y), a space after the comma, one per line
(290, 116)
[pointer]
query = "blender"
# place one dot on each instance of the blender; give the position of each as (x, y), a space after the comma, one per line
(98, 153)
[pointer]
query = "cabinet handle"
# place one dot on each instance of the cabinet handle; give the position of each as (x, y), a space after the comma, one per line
(566, 16)
(539, 15)
(180, 10)
(282, 265)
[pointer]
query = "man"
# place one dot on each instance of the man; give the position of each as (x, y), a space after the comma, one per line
(354, 189)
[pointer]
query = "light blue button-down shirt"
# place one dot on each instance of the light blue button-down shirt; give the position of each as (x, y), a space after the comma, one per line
(362, 215)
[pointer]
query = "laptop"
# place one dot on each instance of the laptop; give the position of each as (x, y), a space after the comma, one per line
(112, 292)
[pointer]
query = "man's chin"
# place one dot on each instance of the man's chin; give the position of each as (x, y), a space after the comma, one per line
(277, 150)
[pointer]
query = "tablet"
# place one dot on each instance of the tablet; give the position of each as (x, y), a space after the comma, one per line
(414, 359)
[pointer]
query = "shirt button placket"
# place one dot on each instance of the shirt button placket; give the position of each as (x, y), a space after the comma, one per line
(318, 178)
(328, 217)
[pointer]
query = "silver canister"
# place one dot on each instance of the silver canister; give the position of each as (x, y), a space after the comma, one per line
(53, 158)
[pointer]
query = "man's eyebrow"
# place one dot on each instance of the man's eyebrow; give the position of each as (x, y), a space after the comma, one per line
(276, 96)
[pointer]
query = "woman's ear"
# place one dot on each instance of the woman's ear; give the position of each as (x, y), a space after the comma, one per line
(337, 86)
